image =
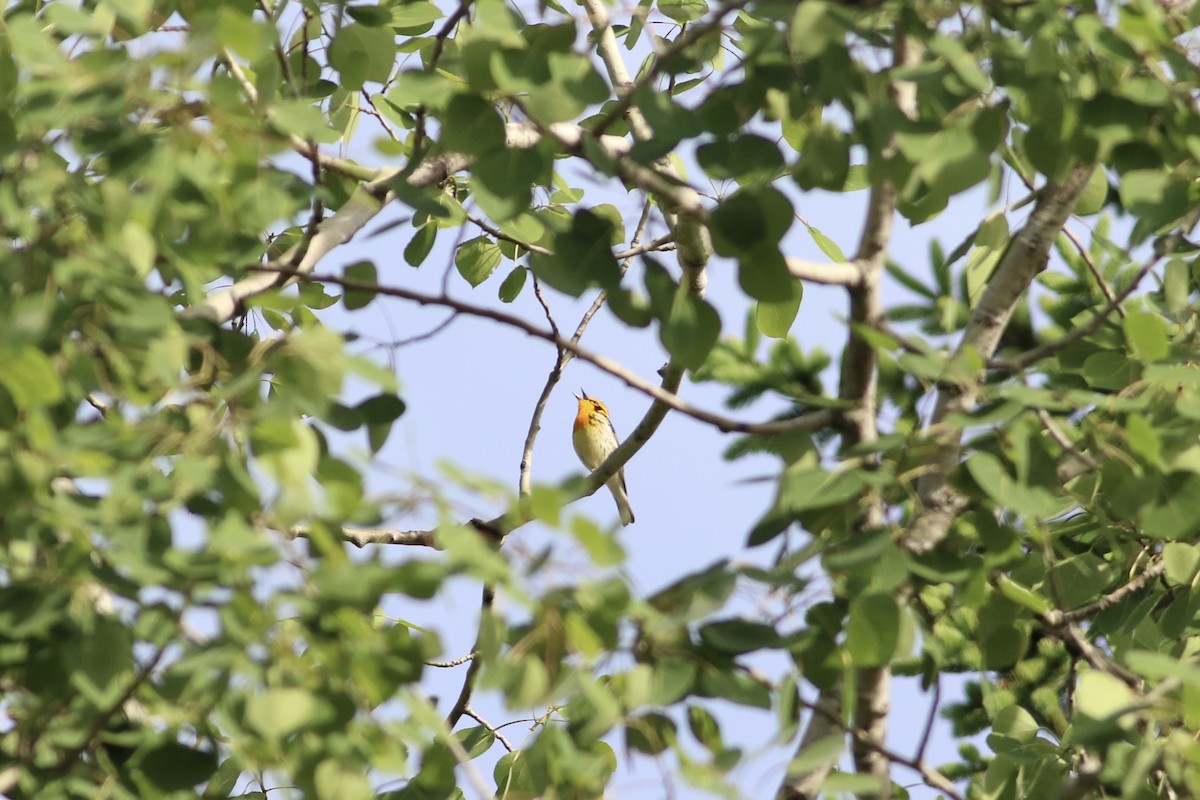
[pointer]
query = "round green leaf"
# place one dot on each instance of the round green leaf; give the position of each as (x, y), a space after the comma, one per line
(477, 258)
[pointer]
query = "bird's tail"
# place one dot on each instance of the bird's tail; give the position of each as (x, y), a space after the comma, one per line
(617, 486)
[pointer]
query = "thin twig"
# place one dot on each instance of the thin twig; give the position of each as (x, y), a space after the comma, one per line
(805, 422)
(1061, 439)
(1056, 617)
(439, 44)
(361, 537)
(561, 354)
(500, 737)
(458, 751)
(496, 233)
(1020, 362)
(1091, 265)
(468, 685)
(927, 733)
(456, 662)
(626, 87)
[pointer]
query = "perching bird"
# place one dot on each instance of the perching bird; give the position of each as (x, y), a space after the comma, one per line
(594, 438)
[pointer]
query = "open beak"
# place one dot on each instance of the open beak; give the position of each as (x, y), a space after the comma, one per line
(582, 395)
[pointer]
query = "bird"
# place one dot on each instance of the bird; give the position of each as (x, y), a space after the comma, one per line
(594, 438)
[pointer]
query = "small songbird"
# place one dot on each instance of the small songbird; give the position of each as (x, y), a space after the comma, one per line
(594, 438)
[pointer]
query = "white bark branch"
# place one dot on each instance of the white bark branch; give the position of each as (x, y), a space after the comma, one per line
(1025, 257)
(843, 273)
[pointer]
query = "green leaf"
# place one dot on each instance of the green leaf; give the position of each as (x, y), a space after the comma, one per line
(472, 125)
(696, 595)
(803, 487)
(276, 713)
(30, 378)
(1176, 286)
(362, 53)
(737, 636)
(302, 119)
(414, 17)
(335, 780)
(174, 767)
(828, 246)
(582, 257)
(813, 29)
(818, 755)
(508, 177)
(750, 218)
(380, 409)
(1091, 200)
(763, 274)
(996, 482)
(421, 244)
(775, 319)
(511, 286)
(746, 158)
(1160, 197)
(477, 258)
(683, 10)
(824, 160)
(360, 272)
(651, 733)
(1181, 560)
(691, 330)
(1099, 695)
(873, 630)
(1147, 335)
(476, 741)
(1016, 723)
(733, 685)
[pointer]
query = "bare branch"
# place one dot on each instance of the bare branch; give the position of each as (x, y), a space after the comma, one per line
(454, 662)
(457, 750)
(1056, 617)
(1105, 289)
(846, 273)
(1061, 439)
(934, 703)
(361, 537)
(624, 86)
(806, 422)
(561, 355)
(1025, 257)
(468, 685)
(858, 388)
(500, 737)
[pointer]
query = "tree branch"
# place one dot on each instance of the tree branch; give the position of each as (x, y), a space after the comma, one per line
(626, 88)
(858, 423)
(361, 537)
(1057, 617)
(1025, 257)
(1029, 357)
(823, 723)
(367, 201)
(806, 422)
(845, 273)
(468, 685)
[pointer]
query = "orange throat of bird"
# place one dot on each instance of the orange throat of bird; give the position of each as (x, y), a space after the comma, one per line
(581, 419)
